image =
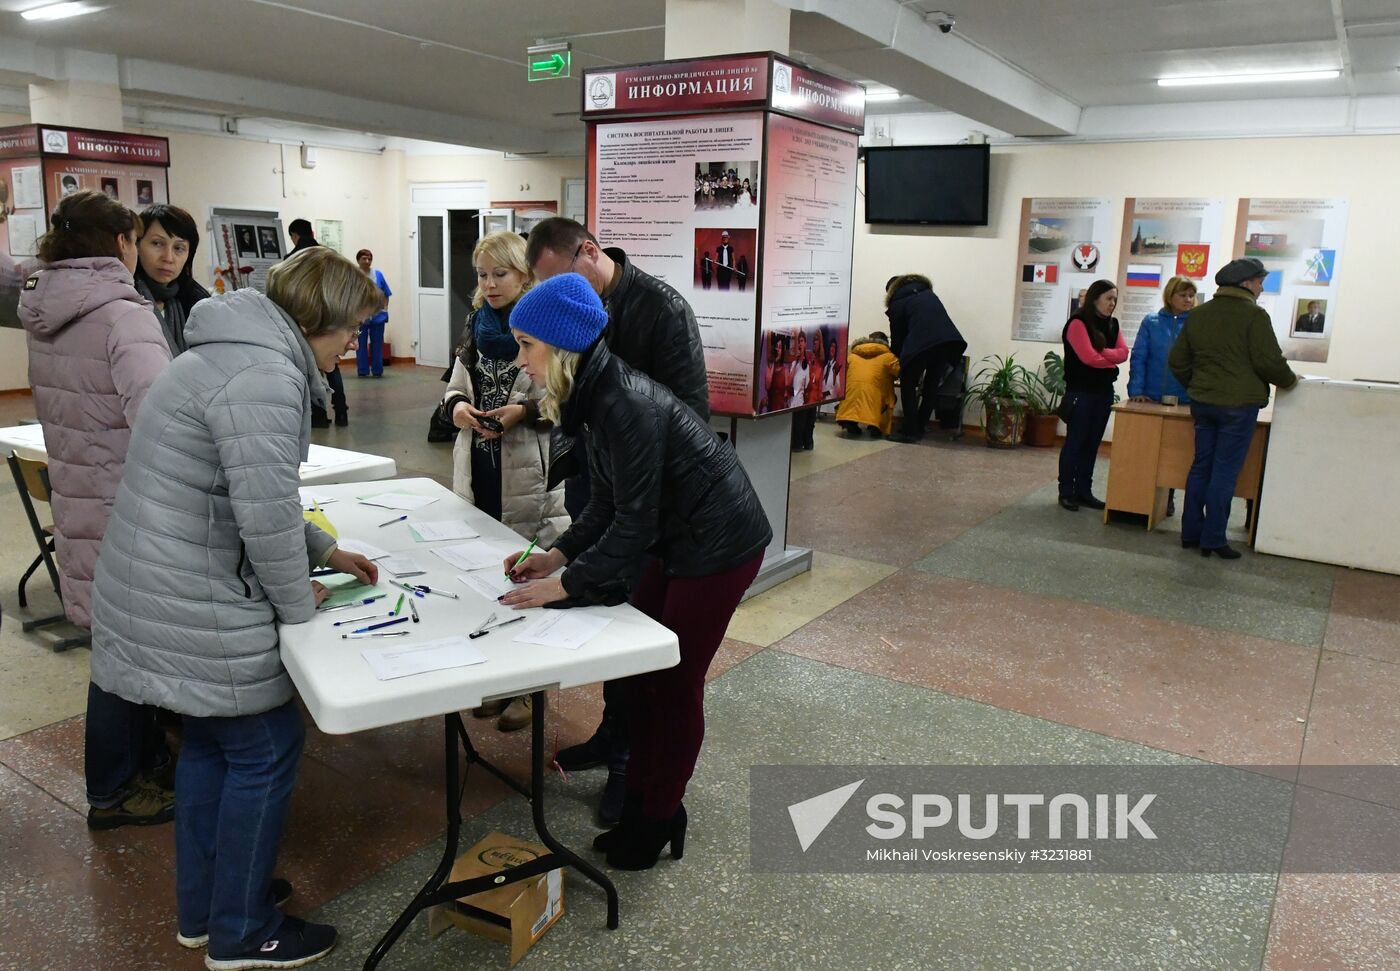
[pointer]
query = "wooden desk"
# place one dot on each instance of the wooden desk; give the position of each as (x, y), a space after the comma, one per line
(1153, 446)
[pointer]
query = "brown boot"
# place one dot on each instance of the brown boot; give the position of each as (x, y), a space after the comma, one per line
(490, 709)
(517, 714)
(146, 805)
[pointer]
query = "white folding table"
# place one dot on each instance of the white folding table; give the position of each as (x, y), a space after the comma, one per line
(323, 464)
(343, 695)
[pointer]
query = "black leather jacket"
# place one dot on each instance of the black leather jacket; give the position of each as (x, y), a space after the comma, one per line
(653, 329)
(663, 483)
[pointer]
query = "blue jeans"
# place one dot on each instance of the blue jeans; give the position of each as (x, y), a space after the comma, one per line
(369, 350)
(121, 739)
(1222, 444)
(1088, 417)
(233, 789)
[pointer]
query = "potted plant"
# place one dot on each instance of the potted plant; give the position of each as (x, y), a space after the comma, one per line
(1004, 389)
(1047, 393)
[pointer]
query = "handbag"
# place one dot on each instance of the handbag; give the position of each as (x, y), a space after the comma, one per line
(1064, 410)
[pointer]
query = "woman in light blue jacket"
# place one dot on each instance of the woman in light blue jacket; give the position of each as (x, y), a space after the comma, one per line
(1148, 376)
(205, 553)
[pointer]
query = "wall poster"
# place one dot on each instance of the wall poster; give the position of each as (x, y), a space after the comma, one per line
(243, 245)
(1163, 238)
(1300, 243)
(1064, 247)
(808, 233)
(647, 199)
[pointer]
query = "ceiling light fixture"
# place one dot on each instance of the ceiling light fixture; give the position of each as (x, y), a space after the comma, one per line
(881, 93)
(59, 11)
(1247, 78)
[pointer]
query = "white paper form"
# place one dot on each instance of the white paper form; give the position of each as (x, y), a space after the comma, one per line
(437, 532)
(29, 189)
(363, 547)
(476, 555)
(24, 234)
(393, 661)
(487, 583)
(402, 565)
(395, 500)
(568, 629)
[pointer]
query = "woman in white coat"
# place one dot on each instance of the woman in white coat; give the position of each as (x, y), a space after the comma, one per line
(500, 462)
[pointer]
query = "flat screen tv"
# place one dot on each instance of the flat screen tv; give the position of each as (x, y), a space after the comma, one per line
(927, 185)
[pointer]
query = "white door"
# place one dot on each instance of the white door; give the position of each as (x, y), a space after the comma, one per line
(494, 221)
(432, 273)
(575, 201)
(428, 205)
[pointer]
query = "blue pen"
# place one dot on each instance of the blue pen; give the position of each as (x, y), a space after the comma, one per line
(387, 623)
(396, 519)
(416, 591)
(354, 603)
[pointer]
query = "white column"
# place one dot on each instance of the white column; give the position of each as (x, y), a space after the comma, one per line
(699, 28)
(704, 28)
(84, 92)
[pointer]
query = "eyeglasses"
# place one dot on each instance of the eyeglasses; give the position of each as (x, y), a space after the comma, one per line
(575, 259)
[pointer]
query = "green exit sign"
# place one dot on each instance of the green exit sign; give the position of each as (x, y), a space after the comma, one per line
(548, 62)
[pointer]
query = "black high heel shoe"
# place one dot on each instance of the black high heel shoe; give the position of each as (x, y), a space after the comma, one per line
(631, 816)
(639, 845)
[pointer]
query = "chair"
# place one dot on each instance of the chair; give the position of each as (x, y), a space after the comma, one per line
(32, 482)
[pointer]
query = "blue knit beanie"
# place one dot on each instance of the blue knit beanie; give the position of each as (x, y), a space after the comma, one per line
(563, 311)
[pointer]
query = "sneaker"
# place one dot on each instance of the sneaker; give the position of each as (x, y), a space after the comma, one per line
(146, 805)
(281, 892)
(295, 944)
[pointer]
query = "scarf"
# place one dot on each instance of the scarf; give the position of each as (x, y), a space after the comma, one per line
(491, 332)
(172, 318)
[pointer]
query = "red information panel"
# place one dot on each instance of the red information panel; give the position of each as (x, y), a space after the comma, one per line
(818, 97)
(707, 84)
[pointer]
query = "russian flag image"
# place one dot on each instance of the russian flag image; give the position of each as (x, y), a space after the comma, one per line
(1144, 275)
(1040, 273)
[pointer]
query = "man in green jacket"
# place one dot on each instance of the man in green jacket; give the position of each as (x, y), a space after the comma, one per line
(1227, 356)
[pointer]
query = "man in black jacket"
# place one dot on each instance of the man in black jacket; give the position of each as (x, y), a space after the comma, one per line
(653, 329)
(303, 237)
(928, 345)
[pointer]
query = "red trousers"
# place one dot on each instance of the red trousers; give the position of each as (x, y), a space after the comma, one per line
(666, 709)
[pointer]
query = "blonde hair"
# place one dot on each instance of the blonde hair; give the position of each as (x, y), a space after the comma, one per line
(1174, 286)
(322, 291)
(558, 381)
(506, 249)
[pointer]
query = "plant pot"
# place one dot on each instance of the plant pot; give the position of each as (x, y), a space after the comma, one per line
(1041, 429)
(1005, 422)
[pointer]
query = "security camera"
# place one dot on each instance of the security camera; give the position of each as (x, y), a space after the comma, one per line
(941, 19)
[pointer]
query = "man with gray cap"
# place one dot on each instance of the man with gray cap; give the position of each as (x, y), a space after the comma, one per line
(1227, 356)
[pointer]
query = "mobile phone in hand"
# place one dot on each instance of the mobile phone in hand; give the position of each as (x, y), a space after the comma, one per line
(490, 424)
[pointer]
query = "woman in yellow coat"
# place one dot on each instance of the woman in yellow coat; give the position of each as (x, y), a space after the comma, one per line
(871, 370)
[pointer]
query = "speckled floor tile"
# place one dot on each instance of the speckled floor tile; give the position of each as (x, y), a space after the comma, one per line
(774, 614)
(40, 687)
(1037, 547)
(1355, 720)
(831, 448)
(1221, 697)
(896, 505)
(710, 911)
(1365, 616)
(1335, 921)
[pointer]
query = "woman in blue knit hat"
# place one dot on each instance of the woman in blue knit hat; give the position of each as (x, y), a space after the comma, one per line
(670, 502)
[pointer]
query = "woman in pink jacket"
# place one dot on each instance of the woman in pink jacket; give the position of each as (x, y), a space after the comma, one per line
(94, 349)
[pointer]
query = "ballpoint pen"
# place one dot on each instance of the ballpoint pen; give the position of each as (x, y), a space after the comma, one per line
(355, 603)
(441, 593)
(396, 519)
(483, 631)
(398, 607)
(413, 609)
(409, 587)
(356, 620)
(523, 557)
(386, 623)
(387, 633)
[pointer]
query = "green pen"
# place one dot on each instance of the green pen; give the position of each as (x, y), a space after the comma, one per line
(523, 557)
(398, 607)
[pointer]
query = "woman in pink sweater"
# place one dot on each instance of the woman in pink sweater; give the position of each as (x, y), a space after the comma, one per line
(95, 347)
(1094, 348)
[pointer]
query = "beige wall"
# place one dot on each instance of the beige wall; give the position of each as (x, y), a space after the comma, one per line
(974, 271)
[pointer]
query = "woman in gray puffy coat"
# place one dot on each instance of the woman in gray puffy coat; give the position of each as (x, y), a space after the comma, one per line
(95, 348)
(206, 552)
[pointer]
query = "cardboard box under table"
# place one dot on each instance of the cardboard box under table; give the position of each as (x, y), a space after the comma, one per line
(343, 695)
(517, 914)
